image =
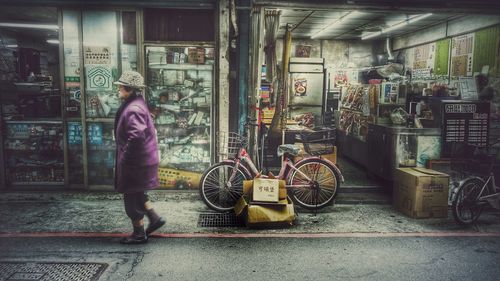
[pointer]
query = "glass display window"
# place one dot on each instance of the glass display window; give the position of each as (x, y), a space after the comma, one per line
(72, 65)
(30, 98)
(33, 152)
(29, 68)
(180, 95)
(75, 152)
(100, 153)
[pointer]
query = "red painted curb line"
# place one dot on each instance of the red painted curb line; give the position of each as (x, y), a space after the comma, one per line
(252, 235)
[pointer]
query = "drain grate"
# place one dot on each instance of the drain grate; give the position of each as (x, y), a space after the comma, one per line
(53, 271)
(219, 220)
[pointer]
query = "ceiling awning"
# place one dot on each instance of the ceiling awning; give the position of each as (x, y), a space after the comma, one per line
(434, 6)
(198, 4)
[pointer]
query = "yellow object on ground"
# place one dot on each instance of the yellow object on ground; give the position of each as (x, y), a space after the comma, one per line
(179, 179)
(269, 215)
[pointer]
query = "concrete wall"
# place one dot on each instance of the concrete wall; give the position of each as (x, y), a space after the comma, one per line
(337, 53)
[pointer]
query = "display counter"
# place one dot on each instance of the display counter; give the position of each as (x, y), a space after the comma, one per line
(390, 147)
(353, 147)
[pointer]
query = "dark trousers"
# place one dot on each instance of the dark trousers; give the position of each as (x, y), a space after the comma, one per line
(134, 205)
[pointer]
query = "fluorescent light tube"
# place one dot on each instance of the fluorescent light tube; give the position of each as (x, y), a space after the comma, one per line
(53, 41)
(371, 35)
(347, 16)
(419, 17)
(30, 25)
(394, 27)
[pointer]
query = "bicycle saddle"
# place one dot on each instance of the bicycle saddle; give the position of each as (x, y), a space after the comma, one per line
(288, 148)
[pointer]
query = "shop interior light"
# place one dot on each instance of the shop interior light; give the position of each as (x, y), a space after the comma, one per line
(53, 41)
(419, 17)
(371, 35)
(396, 26)
(30, 25)
(11, 46)
(345, 17)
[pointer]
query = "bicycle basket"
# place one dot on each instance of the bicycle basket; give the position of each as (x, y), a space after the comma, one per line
(318, 142)
(229, 144)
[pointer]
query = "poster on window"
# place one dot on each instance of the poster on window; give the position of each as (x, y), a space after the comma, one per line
(99, 78)
(97, 55)
(462, 49)
(72, 65)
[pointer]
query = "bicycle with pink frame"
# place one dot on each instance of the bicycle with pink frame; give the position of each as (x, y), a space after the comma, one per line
(312, 182)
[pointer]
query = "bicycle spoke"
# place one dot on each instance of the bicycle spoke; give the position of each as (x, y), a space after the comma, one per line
(314, 184)
(466, 208)
(303, 194)
(326, 180)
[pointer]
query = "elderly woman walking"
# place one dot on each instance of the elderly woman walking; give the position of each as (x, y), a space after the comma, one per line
(137, 159)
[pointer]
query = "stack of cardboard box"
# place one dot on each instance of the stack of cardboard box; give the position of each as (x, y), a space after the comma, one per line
(265, 204)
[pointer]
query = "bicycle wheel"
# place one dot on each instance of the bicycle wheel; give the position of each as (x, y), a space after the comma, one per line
(466, 208)
(318, 192)
(215, 189)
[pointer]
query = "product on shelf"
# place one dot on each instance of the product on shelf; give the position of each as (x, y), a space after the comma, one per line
(34, 152)
(180, 81)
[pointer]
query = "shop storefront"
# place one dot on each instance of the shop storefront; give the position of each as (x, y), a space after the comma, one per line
(59, 102)
(389, 82)
(404, 88)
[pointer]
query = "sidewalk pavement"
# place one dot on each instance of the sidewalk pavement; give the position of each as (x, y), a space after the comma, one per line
(102, 212)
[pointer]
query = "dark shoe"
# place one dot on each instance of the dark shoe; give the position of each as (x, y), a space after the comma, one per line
(152, 227)
(134, 239)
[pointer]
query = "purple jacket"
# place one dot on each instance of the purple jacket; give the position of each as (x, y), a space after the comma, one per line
(137, 158)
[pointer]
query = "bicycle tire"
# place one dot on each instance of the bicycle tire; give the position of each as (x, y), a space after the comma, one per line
(464, 206)
(325, 187)
(214, 190)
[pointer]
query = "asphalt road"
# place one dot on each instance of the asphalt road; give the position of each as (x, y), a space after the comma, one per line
(339, 258)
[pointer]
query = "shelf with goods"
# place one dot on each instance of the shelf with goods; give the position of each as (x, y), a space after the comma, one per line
(33, 152)
(100, 152)
(75, 151)
(266, 104)
(386, 98)
(180, 96)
